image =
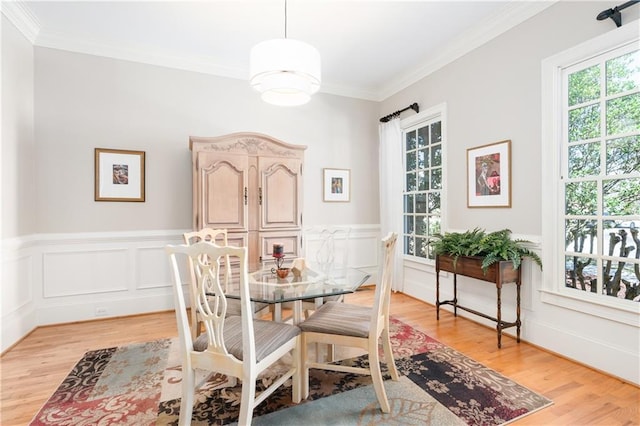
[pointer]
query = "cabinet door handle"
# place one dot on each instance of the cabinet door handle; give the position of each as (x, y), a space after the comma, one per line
(260, 195)
(245, 196)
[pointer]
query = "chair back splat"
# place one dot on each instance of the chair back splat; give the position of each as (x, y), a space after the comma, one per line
(237, 346)
(218, 237)
(344, 324)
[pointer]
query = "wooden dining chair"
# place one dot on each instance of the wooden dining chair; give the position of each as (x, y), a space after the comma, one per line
(344, 324)
(219, 237)
(238, 346)
(331, 255)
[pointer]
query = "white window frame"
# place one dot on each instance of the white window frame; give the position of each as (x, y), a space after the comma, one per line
(552, 291)
(435, 113)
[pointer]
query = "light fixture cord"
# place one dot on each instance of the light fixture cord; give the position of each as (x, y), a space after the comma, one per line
(285, 18)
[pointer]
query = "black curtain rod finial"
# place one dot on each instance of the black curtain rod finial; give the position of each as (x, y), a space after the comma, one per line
(614, 13)
(414, 106)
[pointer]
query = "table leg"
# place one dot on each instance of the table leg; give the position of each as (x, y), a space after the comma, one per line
(277, 312)
(499, 318)
(297, 312)
(455, 294)
(518, 324)
(438, 295)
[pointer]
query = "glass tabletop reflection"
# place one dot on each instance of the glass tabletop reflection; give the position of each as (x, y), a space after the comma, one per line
(314, 281)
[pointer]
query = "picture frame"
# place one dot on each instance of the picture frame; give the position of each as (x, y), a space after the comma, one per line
(119, 175)
(489, 175)
(336, 185)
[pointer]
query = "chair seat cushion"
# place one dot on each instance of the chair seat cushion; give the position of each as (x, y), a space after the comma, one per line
(269, 336)
(339, 318)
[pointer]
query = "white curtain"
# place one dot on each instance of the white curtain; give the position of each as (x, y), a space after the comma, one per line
(391, 178)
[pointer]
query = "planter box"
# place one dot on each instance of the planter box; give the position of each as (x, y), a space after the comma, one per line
(471, 266)
(498, 273)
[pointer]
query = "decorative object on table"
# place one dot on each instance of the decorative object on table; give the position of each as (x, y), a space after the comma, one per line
(491, 247)
(438, 386)
(336, 185)
(298, 266)
(282, 273)
(278, 257)
(489, 175)
(119, 175)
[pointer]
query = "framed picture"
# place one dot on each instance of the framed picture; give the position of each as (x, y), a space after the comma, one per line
(336, 185)
(489, 175)
(119, 175)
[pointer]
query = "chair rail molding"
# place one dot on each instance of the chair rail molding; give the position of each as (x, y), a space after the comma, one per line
(44, 276)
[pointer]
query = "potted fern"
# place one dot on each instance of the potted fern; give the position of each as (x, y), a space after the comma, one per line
(490, 247)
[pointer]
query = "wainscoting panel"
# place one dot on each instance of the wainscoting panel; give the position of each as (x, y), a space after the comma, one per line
(152, 268)
(90, 271)
(59, 278)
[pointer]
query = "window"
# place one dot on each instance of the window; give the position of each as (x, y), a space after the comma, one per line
(592, 139)
(601, 174)
(423, 185)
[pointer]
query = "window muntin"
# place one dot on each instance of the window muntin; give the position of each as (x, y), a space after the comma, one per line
(601, 172)
(422, 212)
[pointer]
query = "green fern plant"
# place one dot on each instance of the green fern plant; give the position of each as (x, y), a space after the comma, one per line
(492, 247)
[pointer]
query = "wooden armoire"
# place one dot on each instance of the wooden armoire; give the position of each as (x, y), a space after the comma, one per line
(251, 185)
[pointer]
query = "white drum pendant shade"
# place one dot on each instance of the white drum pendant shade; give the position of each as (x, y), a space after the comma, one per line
(285, 71)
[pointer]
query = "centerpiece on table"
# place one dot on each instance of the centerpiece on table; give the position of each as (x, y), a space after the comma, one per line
(278, 256)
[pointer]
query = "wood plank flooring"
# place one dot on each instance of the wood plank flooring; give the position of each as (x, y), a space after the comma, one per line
(33, 369)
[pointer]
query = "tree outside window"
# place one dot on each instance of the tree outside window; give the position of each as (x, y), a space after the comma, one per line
(601, 175)
(423, 187)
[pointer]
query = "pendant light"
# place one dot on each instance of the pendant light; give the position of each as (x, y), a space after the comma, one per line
(285, 71)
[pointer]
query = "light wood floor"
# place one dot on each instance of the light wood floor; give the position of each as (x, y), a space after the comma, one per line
(33, 369)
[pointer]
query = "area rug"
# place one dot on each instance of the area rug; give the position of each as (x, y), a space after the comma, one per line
(139, 384)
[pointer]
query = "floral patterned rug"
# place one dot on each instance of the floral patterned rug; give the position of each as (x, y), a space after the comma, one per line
(139, 384)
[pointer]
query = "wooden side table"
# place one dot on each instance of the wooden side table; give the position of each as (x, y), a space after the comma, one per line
(499, 273)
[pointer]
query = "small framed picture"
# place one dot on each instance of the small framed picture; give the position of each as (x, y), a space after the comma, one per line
(119, 175)
(489, 175)
(336, 185)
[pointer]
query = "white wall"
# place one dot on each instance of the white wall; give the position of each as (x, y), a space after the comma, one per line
(18, 187)
(84, 102)
(492, 94)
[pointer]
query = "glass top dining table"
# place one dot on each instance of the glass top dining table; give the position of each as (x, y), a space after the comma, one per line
(315, 281)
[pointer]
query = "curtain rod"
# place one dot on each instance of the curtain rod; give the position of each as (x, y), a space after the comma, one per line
(414, 106)
(615, 12)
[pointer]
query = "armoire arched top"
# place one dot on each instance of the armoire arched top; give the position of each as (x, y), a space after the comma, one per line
(248, 143)
(251, 185)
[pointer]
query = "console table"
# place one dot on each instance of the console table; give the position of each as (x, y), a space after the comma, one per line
(499, 273)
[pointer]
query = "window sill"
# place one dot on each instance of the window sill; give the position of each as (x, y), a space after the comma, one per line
(593, 305)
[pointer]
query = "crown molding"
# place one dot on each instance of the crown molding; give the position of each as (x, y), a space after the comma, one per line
(22, 18)
(511, 16)
(158, 57)
(516, 13)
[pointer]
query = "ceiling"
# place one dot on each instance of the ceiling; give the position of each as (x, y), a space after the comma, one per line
(369, 49)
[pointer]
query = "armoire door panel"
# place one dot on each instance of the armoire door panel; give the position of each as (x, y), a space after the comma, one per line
(225, 193)
(251, 185)
(291, 240)
(280, 181)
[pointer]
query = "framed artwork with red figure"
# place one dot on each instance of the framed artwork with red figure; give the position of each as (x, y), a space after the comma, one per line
(489, 175)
